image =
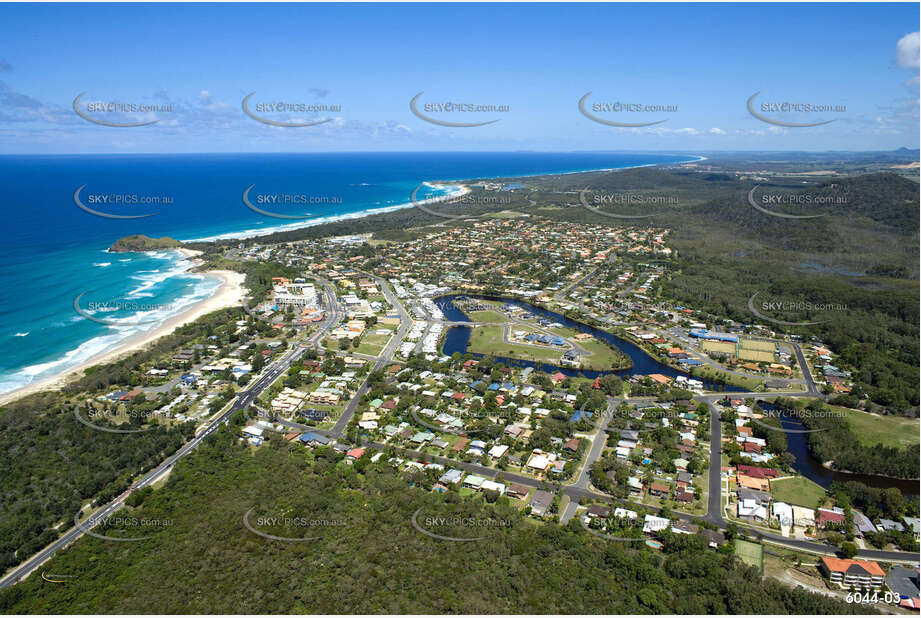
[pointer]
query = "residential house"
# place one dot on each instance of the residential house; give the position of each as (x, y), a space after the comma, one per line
(540, 502)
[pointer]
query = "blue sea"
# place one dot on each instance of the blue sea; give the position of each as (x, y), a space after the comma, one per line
(56, 252)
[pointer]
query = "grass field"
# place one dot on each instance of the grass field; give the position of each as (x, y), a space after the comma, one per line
(754, 344)
(602, 357)
(489, 340)
(487, 316)
(372, 343)
(797, 490)
(369, 348)
(709, 373)
(871, 429)
(758, 356)
(723, 347)
(750, 553)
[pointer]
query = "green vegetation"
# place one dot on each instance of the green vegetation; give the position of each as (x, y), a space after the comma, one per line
(710, 373)
(750, 553)
(374, 561)
(491, 340)
(873, 429)
(487, 316)
(837, 442)
(139, 242)
(53, 464)
(602, 357)
(798, 490)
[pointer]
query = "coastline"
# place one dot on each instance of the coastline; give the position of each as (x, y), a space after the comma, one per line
(229, 294)
(460, 184)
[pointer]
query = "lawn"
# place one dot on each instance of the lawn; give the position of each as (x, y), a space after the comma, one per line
(489, 340)
(369, 348)
(487, 316)
(372, 343)
(871, 429)
(708, 373)
(750, 553)
(602, 357)
(797, 490)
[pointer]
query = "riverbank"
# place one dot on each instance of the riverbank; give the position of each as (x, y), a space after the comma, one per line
(229, 294)
(31, 362)
(457, 339)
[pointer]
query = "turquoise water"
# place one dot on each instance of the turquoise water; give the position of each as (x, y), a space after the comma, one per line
(55, 252)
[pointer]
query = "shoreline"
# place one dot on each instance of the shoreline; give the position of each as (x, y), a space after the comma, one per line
(830, 466)
(460, 183)
(229, 294)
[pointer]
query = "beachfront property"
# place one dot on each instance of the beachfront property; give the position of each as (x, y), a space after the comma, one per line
(288, 294)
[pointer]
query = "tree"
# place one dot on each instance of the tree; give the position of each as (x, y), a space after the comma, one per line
(848, 550)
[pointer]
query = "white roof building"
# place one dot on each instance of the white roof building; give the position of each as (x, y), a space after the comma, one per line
(498, 451)
(783, 513)
(493, 486)
(651, 523)
(539, 462)
(750, 508)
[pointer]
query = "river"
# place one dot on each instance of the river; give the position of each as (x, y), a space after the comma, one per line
(458, 337)
(812, 468)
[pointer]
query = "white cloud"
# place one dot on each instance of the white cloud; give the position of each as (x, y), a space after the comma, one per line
(717, 131)
(660, 131)
(907, 54)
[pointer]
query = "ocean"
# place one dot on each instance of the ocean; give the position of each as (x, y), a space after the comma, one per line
(56, 252)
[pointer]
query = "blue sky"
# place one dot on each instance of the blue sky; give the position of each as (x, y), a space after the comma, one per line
(704, 60)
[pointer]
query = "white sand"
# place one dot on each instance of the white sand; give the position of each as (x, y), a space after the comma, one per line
(229, 294)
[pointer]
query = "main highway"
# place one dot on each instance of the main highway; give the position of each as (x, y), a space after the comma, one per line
(385, 357)
(243, 400)
(577, 491)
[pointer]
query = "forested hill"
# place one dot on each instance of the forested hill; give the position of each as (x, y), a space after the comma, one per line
(374, 560)
(887, 198)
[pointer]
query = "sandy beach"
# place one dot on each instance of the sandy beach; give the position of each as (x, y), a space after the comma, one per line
(229, 294)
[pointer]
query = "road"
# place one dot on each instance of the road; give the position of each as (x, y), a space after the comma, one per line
(383, 359)
(599, 439)
(807, 375)
(243, 400)
(578, 490)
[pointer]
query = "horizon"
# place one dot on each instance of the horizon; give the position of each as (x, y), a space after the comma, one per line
(519, 151)
(672, 77)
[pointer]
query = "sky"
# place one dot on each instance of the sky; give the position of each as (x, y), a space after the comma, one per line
(696, 64)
